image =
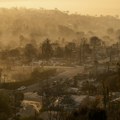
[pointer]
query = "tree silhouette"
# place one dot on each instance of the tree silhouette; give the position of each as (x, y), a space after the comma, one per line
(30, 52)
(69, 48)
(47, 50)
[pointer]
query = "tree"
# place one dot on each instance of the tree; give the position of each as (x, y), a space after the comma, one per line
(82, 50)
(118, 70)
(30, 52)
(47, 50)
(5, 106)
(69, 48)
(59, 52)
(33, 42)
(18, 98)
(95, 42)
(110, 52)
(75, 82)
(1, 70)
(85, 113)
(110, 31)
(14, 52)
(105, 94)
(118, 33)
(97, 114)
(22, 40)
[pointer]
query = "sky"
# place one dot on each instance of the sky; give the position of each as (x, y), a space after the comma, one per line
(91, 7)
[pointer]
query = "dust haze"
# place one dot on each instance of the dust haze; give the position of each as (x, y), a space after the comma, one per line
(59, 64)
(55, 24)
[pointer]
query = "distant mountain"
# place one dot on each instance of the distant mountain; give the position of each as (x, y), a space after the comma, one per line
(40, 23)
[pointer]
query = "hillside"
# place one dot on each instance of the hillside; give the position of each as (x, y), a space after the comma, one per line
(40, 23)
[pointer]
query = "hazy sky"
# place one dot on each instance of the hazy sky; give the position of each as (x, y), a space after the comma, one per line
(92, 7)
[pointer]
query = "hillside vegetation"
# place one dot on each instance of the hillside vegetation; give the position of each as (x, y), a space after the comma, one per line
(54, 24)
